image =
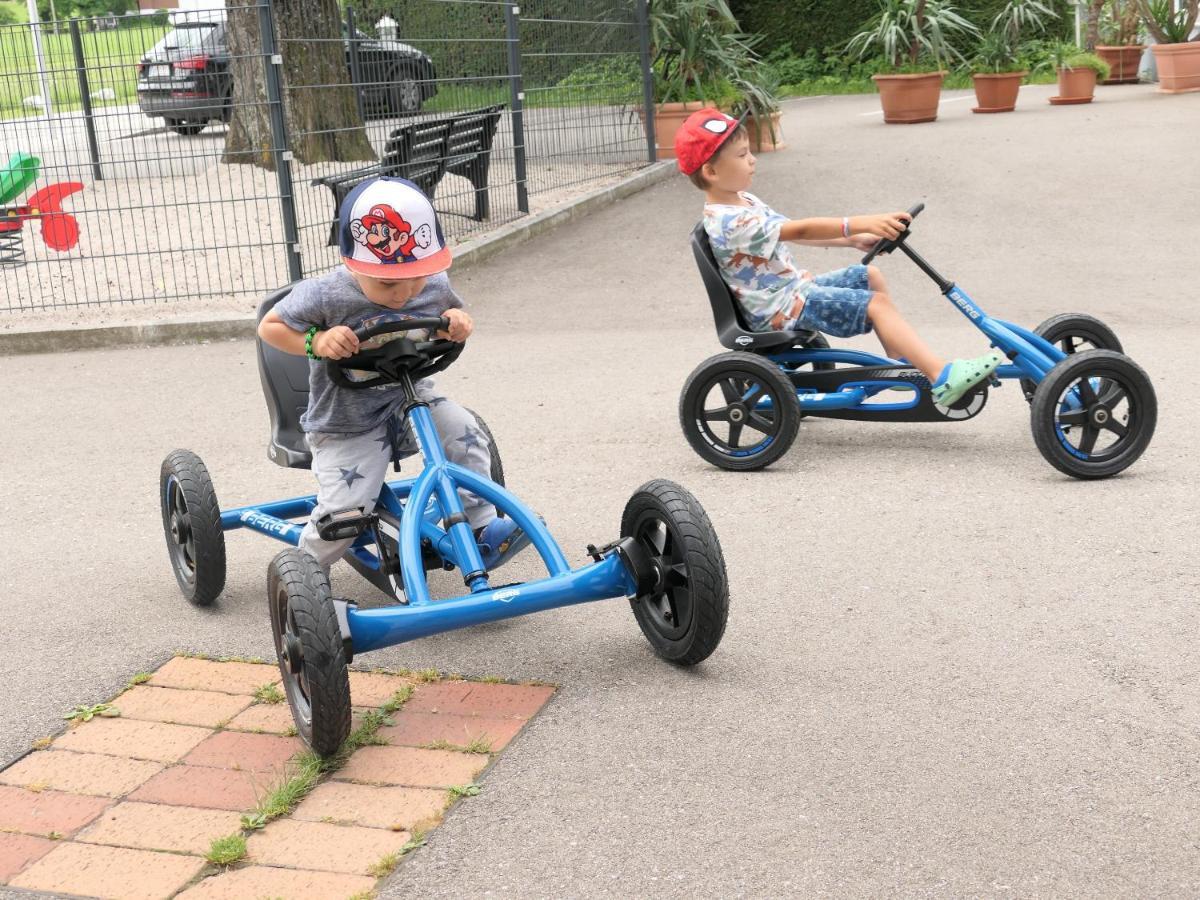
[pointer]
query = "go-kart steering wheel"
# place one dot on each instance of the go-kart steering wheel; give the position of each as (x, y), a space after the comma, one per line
(396, 358)
(887, 245)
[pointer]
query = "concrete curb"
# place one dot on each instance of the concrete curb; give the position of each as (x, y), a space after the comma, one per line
(189, 331)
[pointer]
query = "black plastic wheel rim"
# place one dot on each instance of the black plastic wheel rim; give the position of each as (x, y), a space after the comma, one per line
(669, 605)
(291, 657)
(729, 416)
(1097, 417)
(179, 532)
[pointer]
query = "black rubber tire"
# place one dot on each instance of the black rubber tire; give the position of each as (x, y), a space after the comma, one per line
(187, 129)
(726, 370)
(1118, 375)
(684, 621)
(404, 95)
(497, 469)
(1070, 331)
(192, 526)
(303, 616)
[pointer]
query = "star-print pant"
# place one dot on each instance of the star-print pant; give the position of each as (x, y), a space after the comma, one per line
(351, 467)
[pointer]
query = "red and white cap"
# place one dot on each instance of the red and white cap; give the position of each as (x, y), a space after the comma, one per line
(388, 229)
(701, 135)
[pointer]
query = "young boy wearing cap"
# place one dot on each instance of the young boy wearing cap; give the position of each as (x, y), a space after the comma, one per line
(394, 262)
(749, 241)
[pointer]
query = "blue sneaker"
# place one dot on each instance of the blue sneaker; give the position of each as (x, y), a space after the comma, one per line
(500, 540)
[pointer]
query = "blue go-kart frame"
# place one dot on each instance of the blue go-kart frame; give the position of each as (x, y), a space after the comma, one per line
(668, 560)
(1093, 410)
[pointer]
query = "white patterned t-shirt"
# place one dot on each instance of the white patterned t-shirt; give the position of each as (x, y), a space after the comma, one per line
(755, 263)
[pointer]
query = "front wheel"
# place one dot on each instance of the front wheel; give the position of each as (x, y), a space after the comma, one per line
(739, 411)
(1073, 333)
(186, 129)
(404, 94)
(683, 616)
(308, 644)
(192, 526)
(1094, 414)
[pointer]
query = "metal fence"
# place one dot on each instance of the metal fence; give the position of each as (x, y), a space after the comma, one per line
(199, 160)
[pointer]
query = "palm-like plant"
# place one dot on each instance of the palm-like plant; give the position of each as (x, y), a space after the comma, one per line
(697, 45)
(1168, 25)
(904, 31)
(1021, 18)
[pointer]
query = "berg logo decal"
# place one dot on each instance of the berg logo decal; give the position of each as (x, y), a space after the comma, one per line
(744, 341)
(506, 595)
(257, 520)
(964, 304)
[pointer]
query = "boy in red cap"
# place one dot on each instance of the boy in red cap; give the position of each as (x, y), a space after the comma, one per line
(749, 241)
(394, 263)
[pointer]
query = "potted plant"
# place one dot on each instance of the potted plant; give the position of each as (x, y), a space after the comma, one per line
(912, 37)
(758, 90)
(696, 46)
(1078, 72)
(996, 70)
(1177, 51)
(1114, 29)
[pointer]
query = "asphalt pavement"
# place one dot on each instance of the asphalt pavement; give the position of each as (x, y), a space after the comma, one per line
(949, 670)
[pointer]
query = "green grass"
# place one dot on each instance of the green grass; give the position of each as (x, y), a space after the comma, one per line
(110, 58)
(225, 851)
(268, 693)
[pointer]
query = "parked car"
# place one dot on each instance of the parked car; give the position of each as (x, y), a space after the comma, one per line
(185, 78)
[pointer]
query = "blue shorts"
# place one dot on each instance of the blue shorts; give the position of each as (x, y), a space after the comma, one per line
(837, 303)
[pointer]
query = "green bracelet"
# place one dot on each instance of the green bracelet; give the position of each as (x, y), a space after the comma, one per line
(308, 341)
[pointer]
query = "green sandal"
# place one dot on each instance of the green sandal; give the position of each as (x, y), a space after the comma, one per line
(962, 375)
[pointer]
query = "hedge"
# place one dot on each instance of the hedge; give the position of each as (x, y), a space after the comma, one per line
(821, 24)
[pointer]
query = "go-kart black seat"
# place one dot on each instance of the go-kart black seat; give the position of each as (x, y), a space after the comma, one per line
(285, 386)
(732, 329)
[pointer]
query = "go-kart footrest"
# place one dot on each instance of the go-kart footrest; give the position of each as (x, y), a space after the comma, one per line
(344, 523)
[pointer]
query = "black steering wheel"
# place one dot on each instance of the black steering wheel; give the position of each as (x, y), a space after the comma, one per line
(396, 358)
(887, 245)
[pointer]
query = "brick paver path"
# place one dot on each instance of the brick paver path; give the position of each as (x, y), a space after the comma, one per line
(128, 806)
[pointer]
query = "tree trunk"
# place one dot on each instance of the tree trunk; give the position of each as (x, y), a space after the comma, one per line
(1092, 13)
(323, 123)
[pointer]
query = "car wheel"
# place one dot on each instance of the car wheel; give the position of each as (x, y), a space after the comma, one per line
(187, 129)
(404, 94)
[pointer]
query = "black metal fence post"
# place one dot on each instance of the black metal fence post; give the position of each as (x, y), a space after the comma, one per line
(511, 11)
(280, 149)
(643, 18)
(85, 98)
(355, 63)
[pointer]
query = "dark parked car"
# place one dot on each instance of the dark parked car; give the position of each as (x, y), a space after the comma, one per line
(185, 77)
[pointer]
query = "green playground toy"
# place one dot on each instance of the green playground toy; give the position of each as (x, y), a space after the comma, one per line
(60, 230)
(22, 171)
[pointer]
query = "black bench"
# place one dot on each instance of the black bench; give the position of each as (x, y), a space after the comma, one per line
(424, 152)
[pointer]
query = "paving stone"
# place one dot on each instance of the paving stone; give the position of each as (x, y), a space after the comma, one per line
(18, 850)
(131, 738)
(397, 808)
(316, 845)
(373, 689)
(109, 872)
(475, 698)
(294, 884)
(206, 708)
(249, 752)
(152, 826)
(209, 675)
(412, 767)
(274, 718)
(206, 787)
(80, 773)
(416, 729)
(43, 812)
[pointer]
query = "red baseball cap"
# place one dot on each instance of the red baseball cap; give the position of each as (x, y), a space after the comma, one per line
(701, 135)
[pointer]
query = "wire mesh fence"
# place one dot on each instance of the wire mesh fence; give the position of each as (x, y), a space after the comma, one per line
(200, 159)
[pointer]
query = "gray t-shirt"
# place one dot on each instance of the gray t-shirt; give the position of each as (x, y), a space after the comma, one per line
(336, 299)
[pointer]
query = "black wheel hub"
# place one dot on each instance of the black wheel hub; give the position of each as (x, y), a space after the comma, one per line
(750, 427)
(669, 602)
(183, 547)
(293, 653)
(1097, 417)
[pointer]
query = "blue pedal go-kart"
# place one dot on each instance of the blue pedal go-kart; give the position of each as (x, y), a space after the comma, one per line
(668, 560)
(1092, 409)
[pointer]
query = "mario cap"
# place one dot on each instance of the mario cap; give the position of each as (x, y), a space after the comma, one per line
(387, 228)
(701, 135)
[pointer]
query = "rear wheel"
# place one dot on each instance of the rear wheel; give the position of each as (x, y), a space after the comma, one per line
(308, 645)
(497, 467)
(403, 94)
(186, 128)
(192, 526)
(739, 411)
(683, 615)
(1074, 333)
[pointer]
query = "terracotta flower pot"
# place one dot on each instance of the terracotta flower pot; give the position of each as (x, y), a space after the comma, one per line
(1075, 86)
(1178, 67)
(909, 99)
(764, 139)
(1123, 60)
(667, 119)
(997, 92)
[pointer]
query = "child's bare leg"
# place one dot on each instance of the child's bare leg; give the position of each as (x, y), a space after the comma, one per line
(898, 337)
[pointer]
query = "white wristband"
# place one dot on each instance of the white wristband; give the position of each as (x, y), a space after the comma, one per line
(845, 226)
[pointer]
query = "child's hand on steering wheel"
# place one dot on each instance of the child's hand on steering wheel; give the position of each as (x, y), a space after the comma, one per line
(884, 225)
(461, 325)
(863, 242)
(338, 342)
